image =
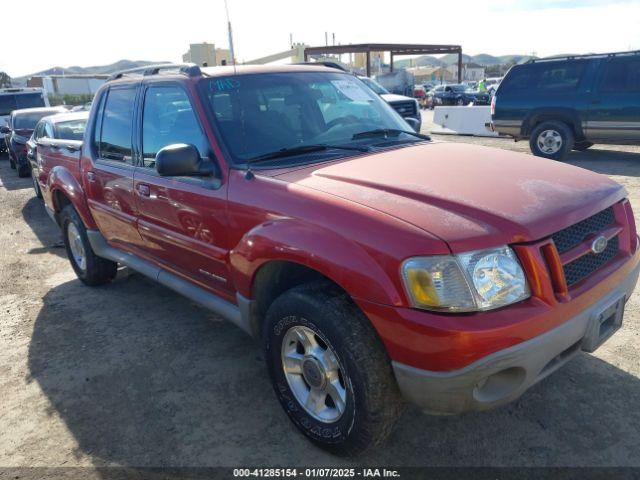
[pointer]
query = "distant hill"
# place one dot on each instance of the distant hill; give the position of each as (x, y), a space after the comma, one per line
(100, 69)
(452, 58)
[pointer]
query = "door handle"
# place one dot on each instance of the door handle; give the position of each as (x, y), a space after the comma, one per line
(91, 176)
(143, 189)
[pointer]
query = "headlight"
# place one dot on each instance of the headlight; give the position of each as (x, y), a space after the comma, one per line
(478, 280)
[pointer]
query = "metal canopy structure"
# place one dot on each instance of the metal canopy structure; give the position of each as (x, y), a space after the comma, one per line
(395, 49)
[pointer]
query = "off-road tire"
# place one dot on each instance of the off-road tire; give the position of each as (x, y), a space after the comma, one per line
(98, 270)
(373, 400)
(565, 133)
(582, 146)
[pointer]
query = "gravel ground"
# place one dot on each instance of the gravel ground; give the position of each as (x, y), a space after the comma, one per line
(132, 374)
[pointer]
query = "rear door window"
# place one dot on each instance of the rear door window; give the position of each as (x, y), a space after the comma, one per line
(621, 75)
(29, 100)
(115, 136)
(545, 77)
(560, 77)
(71, 130)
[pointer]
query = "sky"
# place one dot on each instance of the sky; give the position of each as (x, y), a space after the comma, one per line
(98, 32)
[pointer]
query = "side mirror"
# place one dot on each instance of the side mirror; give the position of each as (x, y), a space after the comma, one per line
(181, 159)
(413, 123)
(5, 130)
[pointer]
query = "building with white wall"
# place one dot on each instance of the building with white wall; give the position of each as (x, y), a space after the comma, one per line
(58, 85)
(206, 54)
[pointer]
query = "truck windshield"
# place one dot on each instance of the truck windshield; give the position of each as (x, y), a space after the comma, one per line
(259, 114)
(375, 86)
(71, 129)
(16, 101)
(28, 121)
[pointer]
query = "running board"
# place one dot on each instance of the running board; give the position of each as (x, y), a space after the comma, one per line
(223, 308)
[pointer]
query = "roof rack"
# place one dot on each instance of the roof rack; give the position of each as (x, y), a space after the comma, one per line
(189, 69)
(586, 55)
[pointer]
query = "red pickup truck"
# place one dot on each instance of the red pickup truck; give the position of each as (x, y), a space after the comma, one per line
(373, 264)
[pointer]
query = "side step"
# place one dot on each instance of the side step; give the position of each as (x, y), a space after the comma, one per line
(223, 308)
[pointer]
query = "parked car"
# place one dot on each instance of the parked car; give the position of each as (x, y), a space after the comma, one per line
(459, 94)
(55, 141)
(420, 94)
(371, 263)
(18, 98)
(570, 103)
(407, 107)
(20, 127)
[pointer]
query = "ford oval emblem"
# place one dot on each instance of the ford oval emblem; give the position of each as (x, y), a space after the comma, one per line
(599, 244)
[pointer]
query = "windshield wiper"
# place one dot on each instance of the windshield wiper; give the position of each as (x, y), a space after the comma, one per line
(301, 149)
(388, 132)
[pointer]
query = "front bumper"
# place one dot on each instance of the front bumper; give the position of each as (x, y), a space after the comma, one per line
(506, 374)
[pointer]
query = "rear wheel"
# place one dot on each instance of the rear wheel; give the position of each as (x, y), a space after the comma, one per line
(582, 146)
(329, 369)
(89, 268)
(552, 139)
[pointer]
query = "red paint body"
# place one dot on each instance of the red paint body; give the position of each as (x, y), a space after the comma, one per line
(355, 221)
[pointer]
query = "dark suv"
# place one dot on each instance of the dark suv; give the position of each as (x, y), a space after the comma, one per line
(570, 103)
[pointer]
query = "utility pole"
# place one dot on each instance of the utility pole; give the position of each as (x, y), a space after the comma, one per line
(231, 52)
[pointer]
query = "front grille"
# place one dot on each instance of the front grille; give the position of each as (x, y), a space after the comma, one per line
(584, 266)
(574, 235)
(406, 109)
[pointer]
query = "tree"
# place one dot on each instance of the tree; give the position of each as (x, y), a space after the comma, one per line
(5, 80)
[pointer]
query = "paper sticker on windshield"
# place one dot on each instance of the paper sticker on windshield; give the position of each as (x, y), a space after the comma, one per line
(352, 90)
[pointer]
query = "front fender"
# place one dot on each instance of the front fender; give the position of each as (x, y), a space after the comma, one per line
(341, 260)
(63, 181)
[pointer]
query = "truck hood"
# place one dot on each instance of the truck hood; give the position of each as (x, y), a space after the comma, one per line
(469, 196)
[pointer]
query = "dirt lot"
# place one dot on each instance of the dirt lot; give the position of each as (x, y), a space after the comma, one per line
(132, 374)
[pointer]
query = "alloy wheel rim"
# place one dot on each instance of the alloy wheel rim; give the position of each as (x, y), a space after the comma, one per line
(314, 374)
(549, 141)
(76, 247)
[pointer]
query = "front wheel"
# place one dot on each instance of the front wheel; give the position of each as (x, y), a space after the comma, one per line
(330, 370)
(90, 268)
(552, 139)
